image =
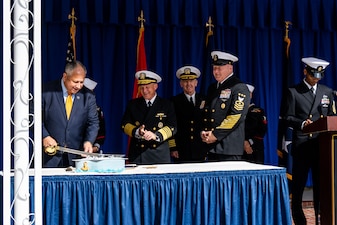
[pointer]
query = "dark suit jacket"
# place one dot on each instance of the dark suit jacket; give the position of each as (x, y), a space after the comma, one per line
(225, 114)
(189, 122)
(160, 118)
(300, 106)
(82, 125)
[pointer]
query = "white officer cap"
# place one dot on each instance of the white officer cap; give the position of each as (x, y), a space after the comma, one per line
(250, 88)
(90, 84)
(147, 77)
(188, 73)
(315, 66)
(223, 58)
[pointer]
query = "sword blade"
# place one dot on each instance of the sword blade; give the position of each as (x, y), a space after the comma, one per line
(52, 151)
(77, 152)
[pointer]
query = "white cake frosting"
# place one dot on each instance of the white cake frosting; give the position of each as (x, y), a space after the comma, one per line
(110, 164)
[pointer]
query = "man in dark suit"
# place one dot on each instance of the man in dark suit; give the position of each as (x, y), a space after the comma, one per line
(75, 126)
(150, 121)
(226, 107)
(188, 106)
(307, 102)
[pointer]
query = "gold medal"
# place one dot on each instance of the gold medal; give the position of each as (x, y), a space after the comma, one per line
(160, 124)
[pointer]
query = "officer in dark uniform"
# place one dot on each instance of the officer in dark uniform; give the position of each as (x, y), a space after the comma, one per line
(90, 84)
(255, 130)
(226, 107)
(150, 121)
(101, 132)
(307, 102)
(189, 107)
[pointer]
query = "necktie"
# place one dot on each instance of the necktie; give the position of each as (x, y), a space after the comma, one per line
(69, 105)
(149, 104)
(312, 91)
(191, 101)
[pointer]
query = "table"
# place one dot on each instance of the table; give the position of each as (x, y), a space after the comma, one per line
(201, 193)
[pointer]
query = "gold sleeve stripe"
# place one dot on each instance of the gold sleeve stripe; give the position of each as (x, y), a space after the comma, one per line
(289, 176)
(229, 122)
(280, 153)
(165, 132)
(334, 107)
(172, 143)
(128, 128)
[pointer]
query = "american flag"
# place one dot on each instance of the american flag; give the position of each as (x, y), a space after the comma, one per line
(71, 49)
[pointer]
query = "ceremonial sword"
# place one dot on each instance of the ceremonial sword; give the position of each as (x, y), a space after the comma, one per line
(51, 150)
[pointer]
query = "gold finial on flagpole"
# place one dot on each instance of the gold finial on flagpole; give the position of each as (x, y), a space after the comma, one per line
(141, 18)
(72, 17)
(73, 30)
(209, 24)
(287, 23)
(286, 36)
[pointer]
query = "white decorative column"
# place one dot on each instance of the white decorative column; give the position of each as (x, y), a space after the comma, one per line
(6, 77)
(22, 124)
(21, 103)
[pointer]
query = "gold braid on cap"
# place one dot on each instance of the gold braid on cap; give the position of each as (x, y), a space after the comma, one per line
(143, 79)
(188, 76)
(147, 81)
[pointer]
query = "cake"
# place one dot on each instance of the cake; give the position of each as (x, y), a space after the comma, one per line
(111, 164)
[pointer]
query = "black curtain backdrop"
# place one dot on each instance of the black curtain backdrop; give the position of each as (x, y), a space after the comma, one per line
(253, 30)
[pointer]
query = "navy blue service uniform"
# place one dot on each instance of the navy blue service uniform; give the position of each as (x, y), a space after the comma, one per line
(189, 110)
(225, 112)
(159, 119)
(307, 102)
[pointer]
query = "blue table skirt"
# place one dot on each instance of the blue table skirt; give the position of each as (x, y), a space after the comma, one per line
(258, 197)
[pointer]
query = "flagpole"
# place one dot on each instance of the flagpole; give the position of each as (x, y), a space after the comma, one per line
(141, 54)
(210, 31)
(286, 37)
(206, 80)
(284, 133)
(140, 61)
(73, 30)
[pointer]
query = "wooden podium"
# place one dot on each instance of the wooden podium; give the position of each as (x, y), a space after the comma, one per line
(327, 129)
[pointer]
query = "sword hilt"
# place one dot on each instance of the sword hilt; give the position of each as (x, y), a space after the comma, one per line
(51, 150)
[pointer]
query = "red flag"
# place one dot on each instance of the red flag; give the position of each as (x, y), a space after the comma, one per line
(141, 60)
